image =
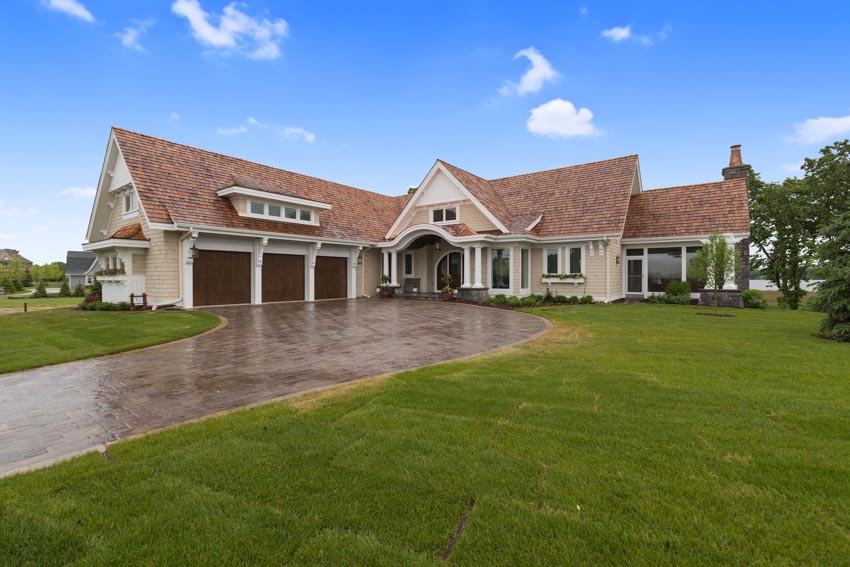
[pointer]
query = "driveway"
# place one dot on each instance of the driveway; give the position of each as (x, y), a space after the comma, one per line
(264, 352)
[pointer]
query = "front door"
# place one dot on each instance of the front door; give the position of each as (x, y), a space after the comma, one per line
(451, 263)
(635, 275)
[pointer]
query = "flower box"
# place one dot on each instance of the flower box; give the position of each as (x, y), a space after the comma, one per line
(563, 278)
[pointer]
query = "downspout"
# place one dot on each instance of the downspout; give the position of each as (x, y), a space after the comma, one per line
(182, 261)
(607, 270)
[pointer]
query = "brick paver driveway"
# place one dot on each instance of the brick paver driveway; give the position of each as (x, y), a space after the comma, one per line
(264, 352)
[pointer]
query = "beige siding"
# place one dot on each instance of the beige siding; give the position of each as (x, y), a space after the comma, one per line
(139, 264)
(240, 204)
(615, 249)
(471, 216)
(370, 272)
(537, 286)
(162, 266)
(117, 220)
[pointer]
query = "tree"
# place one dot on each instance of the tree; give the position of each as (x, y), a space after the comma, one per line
(79, 291)
(783, 228)
(65, 290)
(714, 264)
(411, 190)
(40, 291)
(7, 284)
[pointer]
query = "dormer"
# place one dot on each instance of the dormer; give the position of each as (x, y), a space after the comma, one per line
(258, 204)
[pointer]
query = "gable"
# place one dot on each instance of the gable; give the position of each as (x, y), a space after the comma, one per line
(440, 189)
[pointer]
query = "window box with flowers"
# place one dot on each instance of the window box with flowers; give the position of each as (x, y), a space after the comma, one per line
(563, 278)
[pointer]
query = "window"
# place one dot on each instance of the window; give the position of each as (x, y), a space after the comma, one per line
(305, 215)
(408, 265)
(280, 212)
(690, 254)
(258, 208)
(274, 210)
(553, 260)
(290, 212)
(525, 269)
(129, 202)
(500, 269)
(664, 265)
(575, 260)
(448, 214)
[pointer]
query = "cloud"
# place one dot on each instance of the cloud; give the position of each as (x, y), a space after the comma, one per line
(131, 34)
(174, 116)
(298, 133)
(235, 32)
(618, 34)
(72, 8)
(821, 129)
(8, 211)
(559, 118)
(533, 79)
(582, 11)
(79, 192)
(254, 122)
(232, 131)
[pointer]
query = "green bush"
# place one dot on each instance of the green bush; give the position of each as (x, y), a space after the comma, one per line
(514, 301)
(104, 306)
(561, 299)
(573, 300)
(79, 291)
(499, 299)
(656, 299)
(587, 299)
(754, 299)
(532, 300)
(65, 289)
(40, 291)
(678, 287)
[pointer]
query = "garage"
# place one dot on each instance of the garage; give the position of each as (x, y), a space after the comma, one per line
(221, 278)
(283, 277)
(331, 278)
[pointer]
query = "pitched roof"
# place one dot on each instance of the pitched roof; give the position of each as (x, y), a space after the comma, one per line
(9, 254)
(130, 232)
(78, 263)
(689, 210)
(178, 183)
(483, 192)
(591, 198)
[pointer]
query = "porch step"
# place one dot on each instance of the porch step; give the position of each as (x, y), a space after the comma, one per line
(424, 296)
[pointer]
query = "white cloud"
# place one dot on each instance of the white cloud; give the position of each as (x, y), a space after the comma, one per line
(236, 31)
(298, 133)
(40, 228)
(174, 116)
(821, 129)
(618, 34)
(79, 192)
(254, 122)
(582, 10)
(8, 211)
(72, 8)
(131, 34)
(533, 79)
(559, 118)
(232, 131)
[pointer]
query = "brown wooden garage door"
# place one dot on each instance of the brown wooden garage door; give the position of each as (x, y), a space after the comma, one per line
(283, 277)
(221, 278)
(331, 280)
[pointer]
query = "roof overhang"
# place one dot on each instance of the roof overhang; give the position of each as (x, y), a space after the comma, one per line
(730, 236)
(410, 234)
(195, 228)
(236, 190)
(116, 243)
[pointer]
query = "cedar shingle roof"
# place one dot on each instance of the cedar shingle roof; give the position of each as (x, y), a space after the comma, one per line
(178, 183)
(459, 229)
(689, 210)
(130, 232)
(481, 190)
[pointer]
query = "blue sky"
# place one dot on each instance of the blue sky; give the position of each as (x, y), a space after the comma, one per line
(370, 94)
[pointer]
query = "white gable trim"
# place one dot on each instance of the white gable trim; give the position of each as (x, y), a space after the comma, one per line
(637, 182)
(438, 167)
(535, 223)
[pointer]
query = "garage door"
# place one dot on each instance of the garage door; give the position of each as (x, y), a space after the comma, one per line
(283, 277)
(331, 280)
(221, 278)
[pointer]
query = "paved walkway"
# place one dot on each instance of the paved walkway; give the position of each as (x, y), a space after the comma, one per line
(265, 352)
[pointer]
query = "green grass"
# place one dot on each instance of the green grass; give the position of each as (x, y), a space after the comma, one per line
(7, 303)
(61, 335)
(633, 434)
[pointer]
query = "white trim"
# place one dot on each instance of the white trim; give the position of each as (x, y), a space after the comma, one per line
(412, 264)
(282, 217)
(116, 243)
(275, 235)
(736, 236)
(534, 223)
(525, 290)
(246, 192)
(416, 196)
(546, 250)
(444, 208)
(438, 284)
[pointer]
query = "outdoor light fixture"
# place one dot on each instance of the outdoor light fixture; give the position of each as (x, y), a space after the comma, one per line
(618, 260)
(193, 251)
(437, 245)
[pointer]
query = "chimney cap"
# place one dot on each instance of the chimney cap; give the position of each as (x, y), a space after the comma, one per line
(735, 156)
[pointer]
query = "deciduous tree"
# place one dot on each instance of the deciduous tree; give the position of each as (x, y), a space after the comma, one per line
(714, 264)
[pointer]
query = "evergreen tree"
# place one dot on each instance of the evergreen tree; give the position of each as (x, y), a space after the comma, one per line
(40, 291)
(65, 290)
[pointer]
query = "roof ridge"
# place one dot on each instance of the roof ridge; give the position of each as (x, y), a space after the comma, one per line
(196, 148)
(706, 183)
(564, 167)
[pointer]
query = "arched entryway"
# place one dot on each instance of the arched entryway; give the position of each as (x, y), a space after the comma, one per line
(449, 263)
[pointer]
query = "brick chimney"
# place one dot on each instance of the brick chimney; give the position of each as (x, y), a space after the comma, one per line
(737, 168)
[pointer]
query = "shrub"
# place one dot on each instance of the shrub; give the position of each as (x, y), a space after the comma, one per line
(655, 299)
(65, 290)
(573, 300)
(40, 290)
(754, 299)
(561, 299)
(514, 301)
(587, 299)
(79, 291)
(499, 299)
(678, 287)
(532, 300)
(96, 288)
(122, 306)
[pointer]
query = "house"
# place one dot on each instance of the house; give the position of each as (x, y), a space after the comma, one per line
(7, 255)
(80, 268)
(194, 228)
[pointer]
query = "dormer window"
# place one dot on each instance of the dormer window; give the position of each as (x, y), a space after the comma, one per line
(445, 214)
(256, 203)
(279, 212)
(129, 202)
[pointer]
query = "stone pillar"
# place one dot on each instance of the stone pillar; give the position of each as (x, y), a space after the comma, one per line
(467, 265)
(742, 274)
(478, 283)
(394, 268)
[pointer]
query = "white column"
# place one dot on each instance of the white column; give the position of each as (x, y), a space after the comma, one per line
(310, 272)
(257, 270)
(394, 263)
(478, 283)
(188, 261)
(354, 253)
(386, 268)
(467, 265)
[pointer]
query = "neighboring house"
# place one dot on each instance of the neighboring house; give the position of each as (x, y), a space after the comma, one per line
(80, 268)
(8, 254)
(195, 228)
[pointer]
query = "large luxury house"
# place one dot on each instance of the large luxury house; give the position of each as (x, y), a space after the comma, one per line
(192, 228)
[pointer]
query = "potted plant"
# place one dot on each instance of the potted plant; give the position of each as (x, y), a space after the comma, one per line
(447, 288)
(386, 290)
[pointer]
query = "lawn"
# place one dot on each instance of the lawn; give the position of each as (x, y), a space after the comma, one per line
(61, 335)
(38, 303)
(630, 434)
